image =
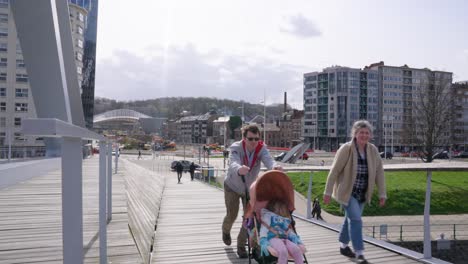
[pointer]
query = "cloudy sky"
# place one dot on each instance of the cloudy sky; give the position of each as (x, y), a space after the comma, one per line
(241, 49)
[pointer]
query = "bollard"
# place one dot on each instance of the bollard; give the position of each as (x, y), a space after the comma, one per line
(401, 232)
(454, 232)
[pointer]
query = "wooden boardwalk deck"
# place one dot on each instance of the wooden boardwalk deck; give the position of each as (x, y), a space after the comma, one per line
(189, 231)
(30, 220)
(188, 227)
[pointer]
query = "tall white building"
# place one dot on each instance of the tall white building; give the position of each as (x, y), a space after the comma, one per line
(400, 88)
(16, 102)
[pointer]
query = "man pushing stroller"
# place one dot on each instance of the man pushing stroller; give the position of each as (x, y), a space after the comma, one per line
(245, 161)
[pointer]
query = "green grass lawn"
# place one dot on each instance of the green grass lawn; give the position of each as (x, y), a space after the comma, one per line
(405, 192)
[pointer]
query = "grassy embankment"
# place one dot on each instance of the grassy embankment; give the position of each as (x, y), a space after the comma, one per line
(405, 191)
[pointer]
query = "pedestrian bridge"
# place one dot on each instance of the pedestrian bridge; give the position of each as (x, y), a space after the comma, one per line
(179, 224)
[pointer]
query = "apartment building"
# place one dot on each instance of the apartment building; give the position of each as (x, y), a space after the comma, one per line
(16, 102)
(334, 99)
(290, 127)
(401, 89)
(222, 131)
(196, 129)
(460, 131)
(390, 97)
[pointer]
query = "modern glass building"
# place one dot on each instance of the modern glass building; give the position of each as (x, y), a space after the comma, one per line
(16, 99)
(89, 58)
(333, 100)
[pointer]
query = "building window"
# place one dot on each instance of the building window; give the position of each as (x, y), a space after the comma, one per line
(4, 18)
(21, 107)
(2, 121)
(18, 136)
(79, 56)
(3, 76)
(21, 77)
(80, 30)
(3, 32)
(2, 106)
(79, 70)
(80, 43)
(3, 47)
(80, 17)
(2, 91)
(18, 48)
(21, 92)
(4, 3)
(17, 121)
(3, 62)
(20, 64)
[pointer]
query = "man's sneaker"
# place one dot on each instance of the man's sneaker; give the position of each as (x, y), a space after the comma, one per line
(227, 239)
(361, 260)
(347, 252)
(241, 252)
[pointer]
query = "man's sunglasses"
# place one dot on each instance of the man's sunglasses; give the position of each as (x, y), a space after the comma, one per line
(253, 138)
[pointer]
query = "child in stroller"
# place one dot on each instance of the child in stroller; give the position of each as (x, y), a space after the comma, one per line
(269, 211)
(276, 234)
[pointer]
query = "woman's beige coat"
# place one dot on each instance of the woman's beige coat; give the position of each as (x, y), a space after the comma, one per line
(343, 173)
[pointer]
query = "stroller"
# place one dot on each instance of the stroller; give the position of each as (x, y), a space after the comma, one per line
(271, 186)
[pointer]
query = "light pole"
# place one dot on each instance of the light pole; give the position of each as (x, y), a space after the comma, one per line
(391, 149)
(242, 112)
(264, 116)
(385, 137)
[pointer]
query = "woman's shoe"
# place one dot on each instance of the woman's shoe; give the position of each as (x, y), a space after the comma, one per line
(347, 252)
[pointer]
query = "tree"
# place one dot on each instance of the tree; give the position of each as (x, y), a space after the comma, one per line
(431, 115)
(234, 122)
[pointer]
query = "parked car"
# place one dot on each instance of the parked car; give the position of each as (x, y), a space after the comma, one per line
(462, 155)
(280, 156)
(441, 155)
(389, 155)
(185, 164)
(304, 156)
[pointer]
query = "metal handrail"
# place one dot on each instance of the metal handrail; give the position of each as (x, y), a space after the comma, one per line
(72, 176)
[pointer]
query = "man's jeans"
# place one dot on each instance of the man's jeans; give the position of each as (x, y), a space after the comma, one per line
(352, 226)
(232, 200)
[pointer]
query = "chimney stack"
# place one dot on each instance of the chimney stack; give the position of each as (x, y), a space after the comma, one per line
(285, 102)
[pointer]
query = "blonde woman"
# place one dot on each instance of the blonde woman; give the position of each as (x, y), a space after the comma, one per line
(355, 171)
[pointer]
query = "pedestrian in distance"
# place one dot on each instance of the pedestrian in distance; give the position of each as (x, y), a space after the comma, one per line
(322, 163)
(356, 170)
(245, 158)
(317, 209)
(192, 170)
(139, 154)
(179, 169)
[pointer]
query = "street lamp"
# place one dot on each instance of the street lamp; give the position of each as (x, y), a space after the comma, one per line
(387, 118)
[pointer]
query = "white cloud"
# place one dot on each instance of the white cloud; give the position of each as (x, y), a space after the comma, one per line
(301, 27)
(184, 71)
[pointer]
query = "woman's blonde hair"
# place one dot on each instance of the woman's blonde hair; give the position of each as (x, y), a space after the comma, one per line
(360, 124)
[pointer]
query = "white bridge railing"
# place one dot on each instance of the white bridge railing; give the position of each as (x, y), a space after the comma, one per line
(72, 182)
